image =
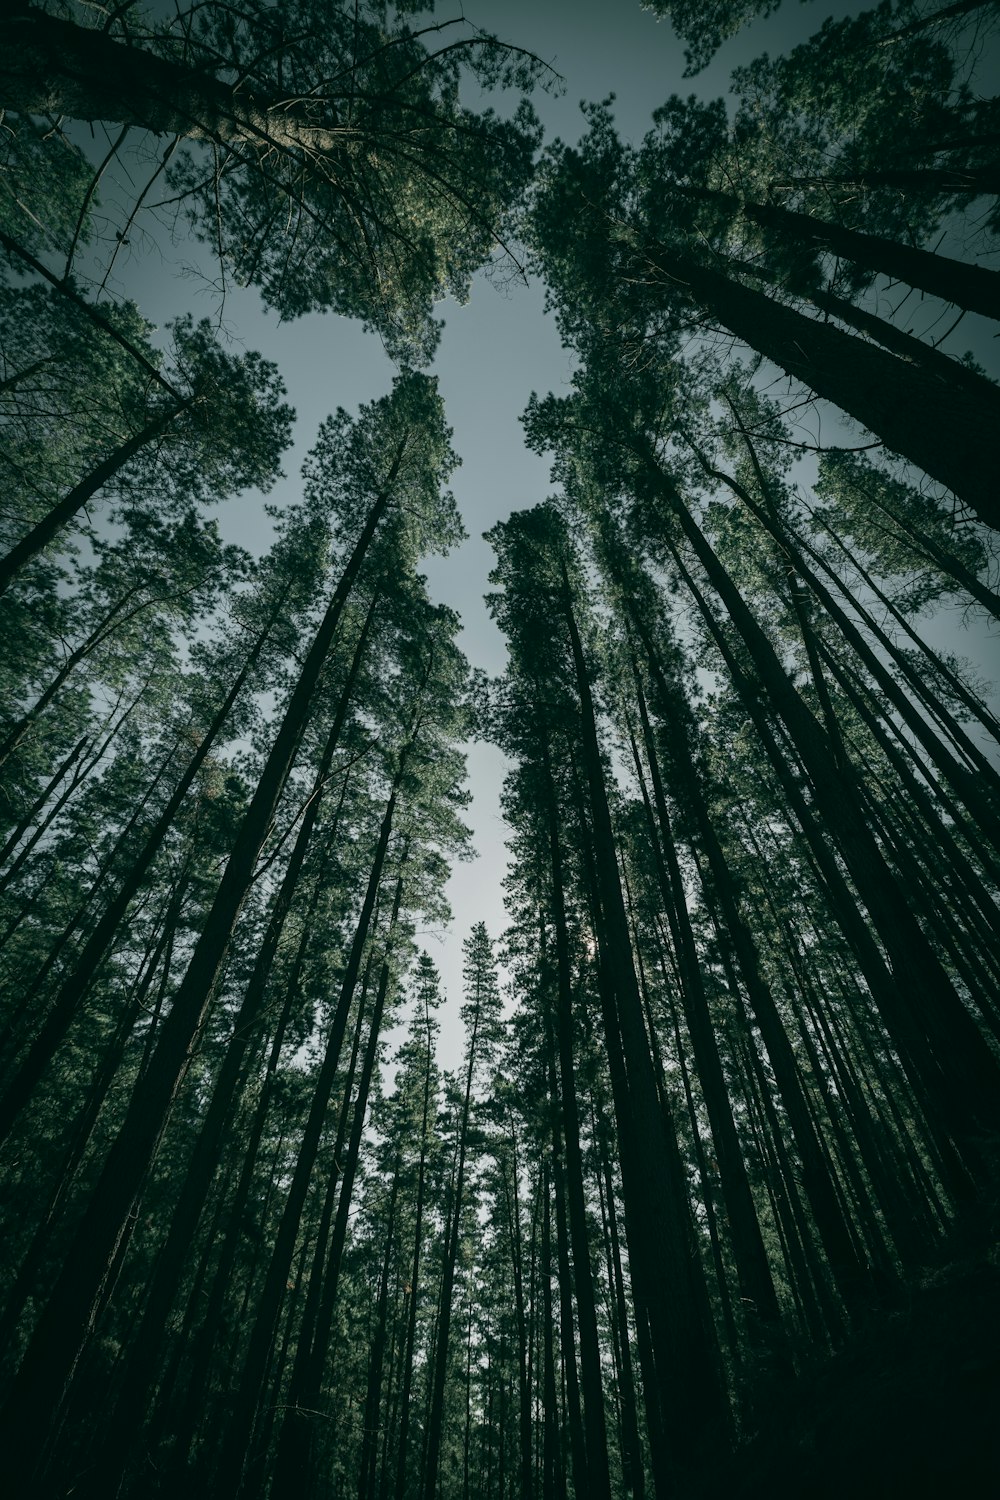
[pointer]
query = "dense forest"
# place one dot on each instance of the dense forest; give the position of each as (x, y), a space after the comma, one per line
(708, 1203)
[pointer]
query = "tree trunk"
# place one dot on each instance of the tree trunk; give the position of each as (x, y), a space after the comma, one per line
(598, 1478)
(435, 1422)
(945, 432)
(292, 1467)
(972, 287)
(376, 1360)
(664, 1269)
(236, 1450)
(54, 67)
(43, 532)
(756, 1287)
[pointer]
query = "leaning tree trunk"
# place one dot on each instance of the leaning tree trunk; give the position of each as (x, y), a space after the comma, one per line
(53, 67)
(974, 288)
(45, 530)
(947, 433)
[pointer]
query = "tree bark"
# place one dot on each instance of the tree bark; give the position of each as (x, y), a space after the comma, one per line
(972, 287)
(54, 67)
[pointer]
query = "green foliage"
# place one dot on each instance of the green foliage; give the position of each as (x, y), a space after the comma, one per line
(706, 27)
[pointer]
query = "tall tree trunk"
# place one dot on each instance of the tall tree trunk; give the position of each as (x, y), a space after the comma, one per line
(409, 1337)
(632, 1467)
(238, 1440)
(756, 1287)
(945, 432)
(45, 530)
(972, 287)
(292, 1466)
(439, 1367)
(595, 1430)
(367, 1464)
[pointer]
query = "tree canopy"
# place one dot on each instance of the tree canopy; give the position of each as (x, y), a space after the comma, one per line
(680, 1182)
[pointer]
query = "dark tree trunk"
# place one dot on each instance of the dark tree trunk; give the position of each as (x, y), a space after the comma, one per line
(45, 530)
(972, 287)
(236, 1450)
(293, 1465)
(367, 1464)
(945, 432)
(665, 1271)
(435, 1421)
(595, 1430)
(54, 67)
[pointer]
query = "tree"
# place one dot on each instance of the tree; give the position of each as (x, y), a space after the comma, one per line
(336, 167)
(221, 430)
(481, 1016)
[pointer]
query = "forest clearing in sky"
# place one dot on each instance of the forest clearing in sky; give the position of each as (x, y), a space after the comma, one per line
(680, 1178)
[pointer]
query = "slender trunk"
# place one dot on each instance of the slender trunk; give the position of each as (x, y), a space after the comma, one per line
(553, 1484)
(937, 662)
(632, 1468)
(598, 1478)
(973, 180)
(435, 1424)
(376, 1359)
(756, 1287)
(567, 1330)
(940, 17)
(185, 1422)
(409, 1338)
(109, 622)
(45, 530)
(292, 1465)
(237, 1445)
(664, 1267)
(513, 1213)
(21, 828)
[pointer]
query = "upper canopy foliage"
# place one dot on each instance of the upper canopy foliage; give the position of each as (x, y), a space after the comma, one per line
(337, 166)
